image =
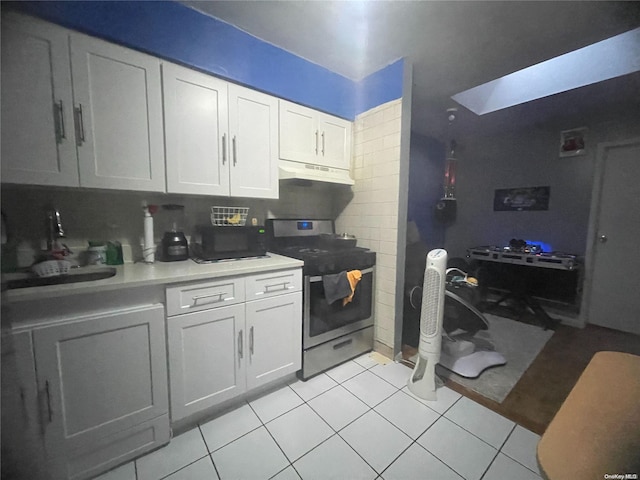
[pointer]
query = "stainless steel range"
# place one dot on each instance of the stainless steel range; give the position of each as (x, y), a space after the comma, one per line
(332, 333)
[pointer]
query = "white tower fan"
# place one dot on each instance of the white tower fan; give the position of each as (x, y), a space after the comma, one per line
(422, 381)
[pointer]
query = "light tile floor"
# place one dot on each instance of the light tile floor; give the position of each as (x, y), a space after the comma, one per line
(357, 421)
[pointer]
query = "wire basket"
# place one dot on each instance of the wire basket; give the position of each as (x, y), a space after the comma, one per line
(229, 216)
(51, 268)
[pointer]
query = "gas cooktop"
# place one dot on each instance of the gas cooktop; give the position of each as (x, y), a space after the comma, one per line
(300, 239)
(321, 261)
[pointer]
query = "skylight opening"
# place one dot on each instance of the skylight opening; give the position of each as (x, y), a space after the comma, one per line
(610, 58)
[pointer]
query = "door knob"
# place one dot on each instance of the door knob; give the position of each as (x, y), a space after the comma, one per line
(603, 239)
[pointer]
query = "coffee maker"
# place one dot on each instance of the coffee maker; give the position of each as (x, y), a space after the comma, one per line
(174, 246)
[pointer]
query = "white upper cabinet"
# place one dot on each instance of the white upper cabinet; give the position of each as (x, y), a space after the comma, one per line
(335, 141)
(253, 129)
(221, 138)
(196, 132)
(38, 138)
(118, 113)
(104, 132)
(309, 136)
(298, 133)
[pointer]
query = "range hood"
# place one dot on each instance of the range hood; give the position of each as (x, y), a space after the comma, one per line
(319, 173)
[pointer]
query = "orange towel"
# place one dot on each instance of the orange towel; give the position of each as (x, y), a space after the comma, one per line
(354, 277)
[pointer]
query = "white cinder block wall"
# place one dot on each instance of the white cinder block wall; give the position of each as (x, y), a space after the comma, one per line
(372, 212)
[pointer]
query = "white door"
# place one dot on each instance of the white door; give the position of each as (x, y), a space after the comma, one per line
(206, 358)
(274, 329)
(195, 109)
(253, 129)
(335, 142)
(299, 136)
(100, 376)
(118, 110)
(612, 299)
(38, 142)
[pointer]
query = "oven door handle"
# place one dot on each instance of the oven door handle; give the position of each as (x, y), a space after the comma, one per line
(318, 278)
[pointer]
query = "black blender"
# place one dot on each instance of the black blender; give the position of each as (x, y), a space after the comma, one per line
(174, 243)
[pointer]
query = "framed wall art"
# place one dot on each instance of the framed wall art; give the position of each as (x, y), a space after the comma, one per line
(572, 142)
(521, 199)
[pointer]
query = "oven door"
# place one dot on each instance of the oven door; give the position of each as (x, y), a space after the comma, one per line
(324, 322)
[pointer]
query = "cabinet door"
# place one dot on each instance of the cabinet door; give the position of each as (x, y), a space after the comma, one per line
(118, 110)
(335, 142)
(38, 142)
(100, 376)
(253, 128)
(22, 446)
(195, 109)
(274, 328)
(299, 135)
(206, 359)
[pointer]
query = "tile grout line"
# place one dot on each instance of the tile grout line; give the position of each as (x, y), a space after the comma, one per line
(337, 433)
(215, 468)
(470, 432)
(498, 452)
(442, 415)
(272, 437)
(509, 456)
(370, 409)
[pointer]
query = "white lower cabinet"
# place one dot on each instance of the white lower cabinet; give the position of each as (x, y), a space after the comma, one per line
(219, 353)
(205, 358)
(102, 389)
(275, 337)
(22, 443)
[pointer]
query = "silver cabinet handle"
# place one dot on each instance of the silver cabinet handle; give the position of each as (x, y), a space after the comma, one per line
(240, 342)
(316, 142)
(48, 401)
(283, 286)
(44, 404)
(251, 341)
(59, 120)
(323, 144)
(219, 296)
(235, 153)
(79, 125)
(224, 148)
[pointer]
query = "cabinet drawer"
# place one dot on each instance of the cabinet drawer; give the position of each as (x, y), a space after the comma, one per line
(204, 295)
(274, 283)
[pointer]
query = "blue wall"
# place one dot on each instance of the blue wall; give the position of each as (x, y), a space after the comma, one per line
(175, 32)
(379, 87)
(426, 178)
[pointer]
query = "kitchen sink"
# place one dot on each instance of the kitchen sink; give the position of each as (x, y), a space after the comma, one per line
(74, 277)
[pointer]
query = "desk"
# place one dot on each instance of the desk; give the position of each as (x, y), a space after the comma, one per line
(525, 276)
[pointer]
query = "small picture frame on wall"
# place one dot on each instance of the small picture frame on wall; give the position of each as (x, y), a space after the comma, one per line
(572, 142)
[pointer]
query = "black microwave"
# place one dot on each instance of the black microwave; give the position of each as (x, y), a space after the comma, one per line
(221, 243)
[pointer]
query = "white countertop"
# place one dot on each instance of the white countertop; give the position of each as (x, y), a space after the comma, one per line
(133, 275)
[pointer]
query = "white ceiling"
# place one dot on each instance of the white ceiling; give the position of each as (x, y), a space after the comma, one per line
(452, 45)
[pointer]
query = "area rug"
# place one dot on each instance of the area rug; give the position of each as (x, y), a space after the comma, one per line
(518, 342)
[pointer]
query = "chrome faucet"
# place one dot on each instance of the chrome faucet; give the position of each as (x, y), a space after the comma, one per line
(54, 228)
